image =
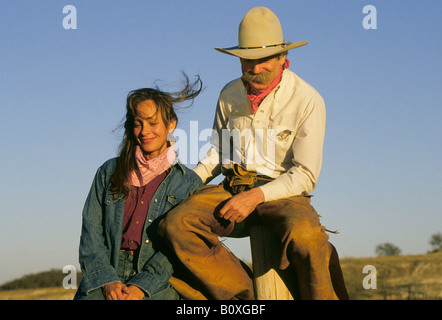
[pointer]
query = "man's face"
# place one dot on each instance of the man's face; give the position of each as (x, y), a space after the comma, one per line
(260, 73)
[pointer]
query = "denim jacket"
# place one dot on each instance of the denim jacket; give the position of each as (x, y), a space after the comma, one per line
(102, 226)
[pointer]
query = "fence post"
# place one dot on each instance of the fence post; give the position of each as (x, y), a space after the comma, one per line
(270, 283)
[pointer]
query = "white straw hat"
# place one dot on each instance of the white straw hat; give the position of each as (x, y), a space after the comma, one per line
(260, 36)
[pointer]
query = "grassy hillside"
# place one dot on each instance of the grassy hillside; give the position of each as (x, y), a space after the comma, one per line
(57, 293)
(45, 279)
(397, 278)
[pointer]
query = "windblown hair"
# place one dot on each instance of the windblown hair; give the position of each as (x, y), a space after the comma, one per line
(164, 101)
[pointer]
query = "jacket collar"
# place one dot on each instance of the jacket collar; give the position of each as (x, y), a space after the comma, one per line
(177, 163)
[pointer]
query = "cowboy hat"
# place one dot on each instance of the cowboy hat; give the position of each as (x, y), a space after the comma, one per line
(260, 36)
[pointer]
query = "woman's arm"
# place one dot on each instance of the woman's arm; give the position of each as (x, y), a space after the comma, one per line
(93, 253)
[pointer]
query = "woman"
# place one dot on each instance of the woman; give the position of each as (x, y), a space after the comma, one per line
(119, 253)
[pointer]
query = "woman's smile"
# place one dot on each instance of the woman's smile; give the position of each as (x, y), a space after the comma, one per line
(150, 129)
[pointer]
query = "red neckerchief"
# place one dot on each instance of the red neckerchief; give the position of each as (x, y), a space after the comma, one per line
(256, 96)
(146, 170)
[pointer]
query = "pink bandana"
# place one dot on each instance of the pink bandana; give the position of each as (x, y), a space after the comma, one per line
(256, 96)
(147, 170)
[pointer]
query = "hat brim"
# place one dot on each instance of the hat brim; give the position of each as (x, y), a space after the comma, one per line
(260, 53)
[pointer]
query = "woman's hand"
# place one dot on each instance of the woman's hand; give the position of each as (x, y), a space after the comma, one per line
(133, 293)
(114, 291)
(119, 291)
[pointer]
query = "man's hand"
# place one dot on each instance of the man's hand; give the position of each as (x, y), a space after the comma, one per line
(242, 205)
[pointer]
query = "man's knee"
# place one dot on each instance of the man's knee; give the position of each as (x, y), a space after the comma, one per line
(303, 230)
(172, 224)
(197, 214)
(308, 233)
(186, 217)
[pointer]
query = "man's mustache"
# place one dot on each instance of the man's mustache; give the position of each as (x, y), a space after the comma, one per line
(256, 78)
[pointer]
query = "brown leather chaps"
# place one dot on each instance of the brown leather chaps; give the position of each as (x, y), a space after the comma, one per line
(212, 271)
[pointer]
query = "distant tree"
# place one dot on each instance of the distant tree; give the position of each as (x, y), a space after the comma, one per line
(387, 249)
(436, 242)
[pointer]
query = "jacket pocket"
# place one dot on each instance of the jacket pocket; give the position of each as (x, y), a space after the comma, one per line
(172, 201)
(284, 135)
(109, 198)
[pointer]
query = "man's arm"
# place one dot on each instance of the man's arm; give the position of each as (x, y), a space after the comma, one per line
(210, 167)
(307, 150)
(299, 179)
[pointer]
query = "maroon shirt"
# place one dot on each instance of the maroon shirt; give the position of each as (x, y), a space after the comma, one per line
(135, 212)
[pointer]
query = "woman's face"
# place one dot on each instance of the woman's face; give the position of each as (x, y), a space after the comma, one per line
(150, 130)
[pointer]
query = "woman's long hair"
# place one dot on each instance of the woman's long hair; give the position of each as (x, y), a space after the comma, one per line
(164, 101)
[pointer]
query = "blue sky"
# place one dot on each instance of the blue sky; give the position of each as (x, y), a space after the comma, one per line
(63, 94)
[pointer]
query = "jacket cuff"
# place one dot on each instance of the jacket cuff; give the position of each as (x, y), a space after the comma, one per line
(98, 279)
(147, 282)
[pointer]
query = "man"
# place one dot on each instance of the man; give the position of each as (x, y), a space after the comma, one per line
(268, 139)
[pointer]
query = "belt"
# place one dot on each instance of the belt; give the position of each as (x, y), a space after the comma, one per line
(238, 179)
(237, 170)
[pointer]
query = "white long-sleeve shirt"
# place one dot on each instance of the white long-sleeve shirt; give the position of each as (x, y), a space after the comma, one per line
(283, 140)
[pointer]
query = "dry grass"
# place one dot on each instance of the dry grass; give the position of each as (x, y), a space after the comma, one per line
(38, 294)
(398, 277)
